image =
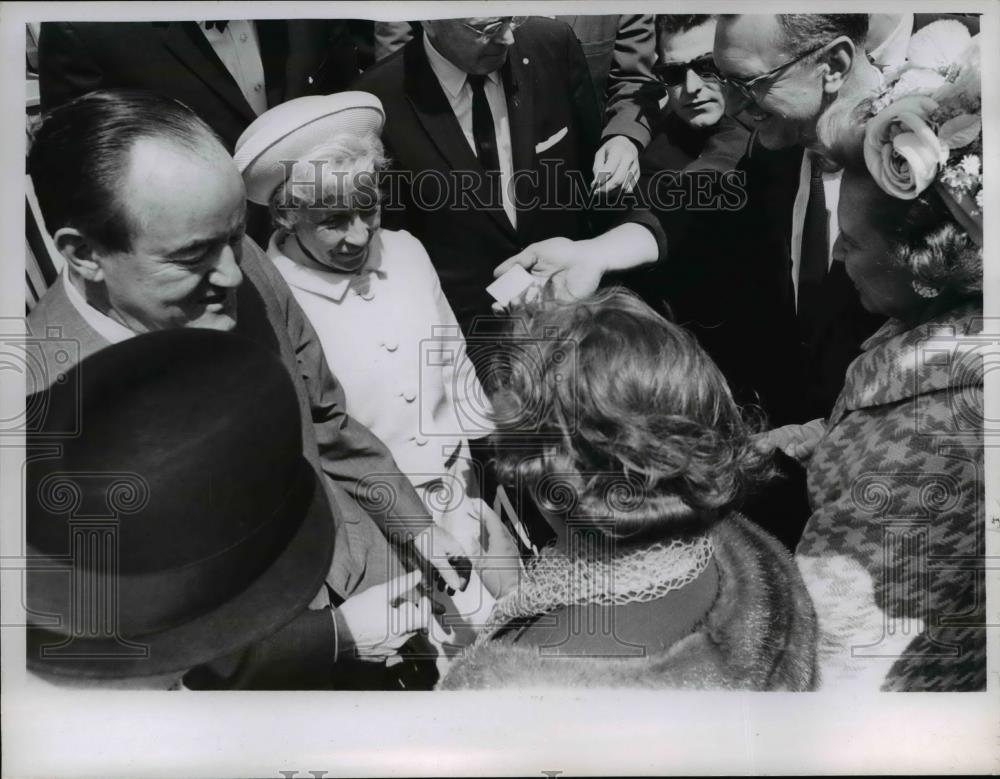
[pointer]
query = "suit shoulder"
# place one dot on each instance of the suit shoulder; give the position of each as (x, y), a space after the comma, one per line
(385, 75)
(542, 29)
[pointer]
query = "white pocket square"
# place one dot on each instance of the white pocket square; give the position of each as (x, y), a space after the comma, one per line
(548, 143)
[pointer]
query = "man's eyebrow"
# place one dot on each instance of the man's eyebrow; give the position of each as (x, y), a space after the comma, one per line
(193, 246)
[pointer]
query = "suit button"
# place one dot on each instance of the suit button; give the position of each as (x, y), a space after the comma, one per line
(409, 395)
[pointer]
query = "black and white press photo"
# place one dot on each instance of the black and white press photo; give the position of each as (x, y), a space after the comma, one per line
(394, 391)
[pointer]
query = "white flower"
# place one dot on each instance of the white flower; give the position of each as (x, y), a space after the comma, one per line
(902, 152)
(979, 198)
(916, 81)
(971, 165)
(939, 44)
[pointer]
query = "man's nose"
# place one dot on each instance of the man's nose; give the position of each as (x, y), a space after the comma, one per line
(507, 38)
(692, 81)
(357, 233)
(226, 272)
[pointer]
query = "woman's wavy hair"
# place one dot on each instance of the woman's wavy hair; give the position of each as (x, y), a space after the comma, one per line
(629, 423)
(924, 236)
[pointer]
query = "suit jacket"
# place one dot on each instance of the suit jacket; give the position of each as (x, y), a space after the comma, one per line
(555, 129)
(818, 362)
(620, 52)
(300, 57)
(333, 443)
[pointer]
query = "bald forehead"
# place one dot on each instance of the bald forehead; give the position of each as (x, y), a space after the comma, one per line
(164, 160)
(754, 41)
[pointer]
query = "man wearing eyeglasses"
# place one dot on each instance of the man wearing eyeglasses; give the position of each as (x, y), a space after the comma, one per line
(494, 122)
(712, 282)
(793, 74)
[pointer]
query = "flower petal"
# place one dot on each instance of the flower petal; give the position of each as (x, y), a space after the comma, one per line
(938, 44)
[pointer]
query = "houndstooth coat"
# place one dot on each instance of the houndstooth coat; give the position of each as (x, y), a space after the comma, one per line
(893, 553)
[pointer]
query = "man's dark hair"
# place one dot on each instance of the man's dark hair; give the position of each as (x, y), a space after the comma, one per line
(671, 24)
(78, 158)
(808, 31)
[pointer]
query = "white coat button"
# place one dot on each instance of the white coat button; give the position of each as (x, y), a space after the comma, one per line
(390, 345)
(257, 87)
(420, 441)
(367, 295)
(409, 395)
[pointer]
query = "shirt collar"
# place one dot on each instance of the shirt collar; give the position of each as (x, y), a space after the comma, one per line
(452, 77)
(106, 327)
(329, 284)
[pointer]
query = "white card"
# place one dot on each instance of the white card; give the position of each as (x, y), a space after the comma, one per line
(511, 284)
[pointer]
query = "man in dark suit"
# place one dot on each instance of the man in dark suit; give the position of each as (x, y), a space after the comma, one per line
(218, 73)
(716, 284)
(792, 73)
(620, 54)
(175, 257)
(492, 136)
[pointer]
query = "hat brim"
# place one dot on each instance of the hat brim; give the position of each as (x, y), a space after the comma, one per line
(269, 603)
(290, 131)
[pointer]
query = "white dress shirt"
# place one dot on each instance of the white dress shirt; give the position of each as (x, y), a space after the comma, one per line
(391, 339)
(454, 82)
(112, 331)
(239, 51)
(831, 189)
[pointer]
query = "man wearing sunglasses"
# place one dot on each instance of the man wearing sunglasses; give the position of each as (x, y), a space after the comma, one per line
(793, 75)
(711, 281)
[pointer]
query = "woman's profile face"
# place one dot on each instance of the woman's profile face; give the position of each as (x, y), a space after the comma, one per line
(864, 247)
(338, 232)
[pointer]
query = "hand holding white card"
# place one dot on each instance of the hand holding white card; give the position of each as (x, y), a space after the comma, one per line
(511, 284)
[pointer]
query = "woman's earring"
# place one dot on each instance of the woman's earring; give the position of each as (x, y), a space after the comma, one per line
(925, 290)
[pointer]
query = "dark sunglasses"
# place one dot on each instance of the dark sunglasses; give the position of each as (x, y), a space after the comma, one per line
(674, 73)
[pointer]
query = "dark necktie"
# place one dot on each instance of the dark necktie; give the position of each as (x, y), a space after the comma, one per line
(814, 258)
(483, 130)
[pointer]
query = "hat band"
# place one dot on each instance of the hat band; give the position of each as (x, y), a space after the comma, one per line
(96, 602)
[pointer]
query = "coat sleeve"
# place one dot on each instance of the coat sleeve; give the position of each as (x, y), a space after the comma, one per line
(350, 453)
(631, 68)
(66, 67)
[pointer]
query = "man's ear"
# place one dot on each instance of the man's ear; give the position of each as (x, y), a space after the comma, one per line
(838, 59)
(80, 253)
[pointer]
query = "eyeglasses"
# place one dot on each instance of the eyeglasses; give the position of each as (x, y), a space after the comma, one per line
(745, 86)
(674, 73)
(491, 30)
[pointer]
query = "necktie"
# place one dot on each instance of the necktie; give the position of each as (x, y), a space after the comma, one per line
(483, 130)
(813, 262)
(218, 25)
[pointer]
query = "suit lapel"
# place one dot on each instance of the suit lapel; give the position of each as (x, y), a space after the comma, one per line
(434, 112)
(520, 89)
(187, 43)
(274, 37)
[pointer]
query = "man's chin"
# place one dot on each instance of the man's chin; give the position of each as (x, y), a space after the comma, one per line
(775, 133)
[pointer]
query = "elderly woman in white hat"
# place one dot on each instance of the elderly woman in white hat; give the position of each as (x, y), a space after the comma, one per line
(371, 294)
